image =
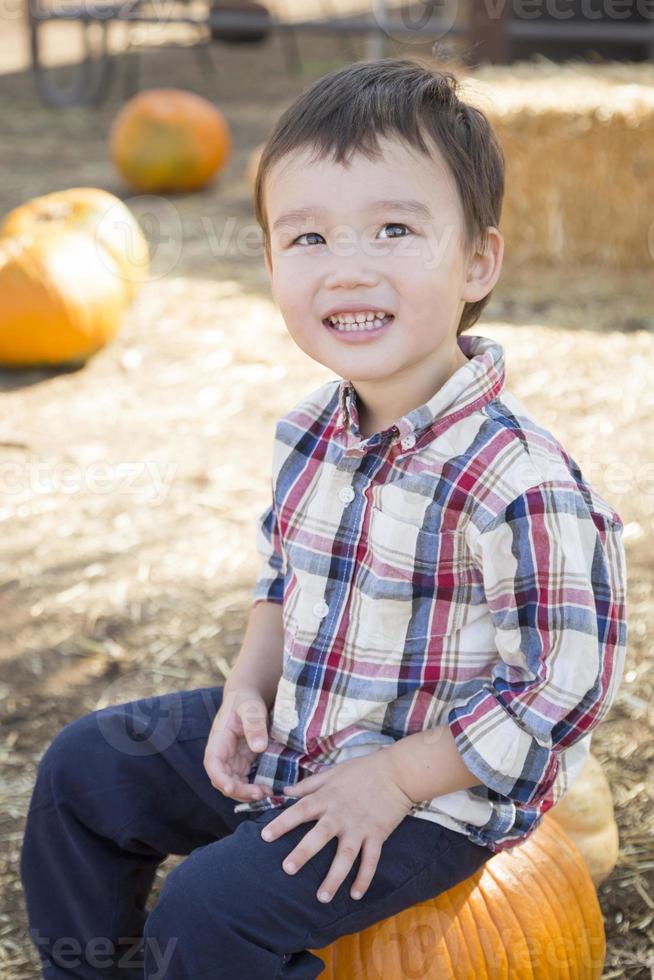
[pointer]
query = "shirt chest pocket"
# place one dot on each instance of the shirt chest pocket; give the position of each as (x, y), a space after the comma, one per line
(415, 581)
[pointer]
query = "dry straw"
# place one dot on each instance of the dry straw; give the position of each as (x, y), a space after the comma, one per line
(579, 142)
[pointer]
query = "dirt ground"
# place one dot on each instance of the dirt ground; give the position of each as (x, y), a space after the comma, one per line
(130, 486)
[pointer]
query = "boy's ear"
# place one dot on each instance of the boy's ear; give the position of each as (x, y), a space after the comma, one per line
(484, 268)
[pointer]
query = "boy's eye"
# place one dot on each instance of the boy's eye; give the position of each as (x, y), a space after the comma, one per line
(389, 224)
(395, 224)
(306, 233)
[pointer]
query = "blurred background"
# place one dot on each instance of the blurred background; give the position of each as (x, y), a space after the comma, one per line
(140, 379)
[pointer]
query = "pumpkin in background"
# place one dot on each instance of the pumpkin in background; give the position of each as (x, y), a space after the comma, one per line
(63, 297)
(98, 213)
(169, 140)
(586, 814)
(530, 913)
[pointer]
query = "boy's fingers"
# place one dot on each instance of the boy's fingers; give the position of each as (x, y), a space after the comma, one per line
(254, 716)
(217, 771)
(218, 778)
(229, 783)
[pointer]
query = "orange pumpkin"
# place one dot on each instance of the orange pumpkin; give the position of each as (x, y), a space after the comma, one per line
(63, 297)
(531, 913)
(587, 816)
(169, 140)
(98, 213)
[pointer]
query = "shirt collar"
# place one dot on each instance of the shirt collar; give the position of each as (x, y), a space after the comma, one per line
(470, 387)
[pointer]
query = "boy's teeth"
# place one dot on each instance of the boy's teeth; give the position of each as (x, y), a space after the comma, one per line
(365, 320)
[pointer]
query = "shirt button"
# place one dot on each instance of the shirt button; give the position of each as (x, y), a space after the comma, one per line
(346, 494)
(408, 441)
(320, 609)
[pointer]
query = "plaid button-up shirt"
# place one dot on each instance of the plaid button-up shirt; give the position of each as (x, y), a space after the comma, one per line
(453, 569)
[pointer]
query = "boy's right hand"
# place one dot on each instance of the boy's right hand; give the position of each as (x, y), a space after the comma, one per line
(238, 734)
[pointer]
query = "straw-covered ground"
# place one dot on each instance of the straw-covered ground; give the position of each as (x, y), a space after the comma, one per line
(130, 487)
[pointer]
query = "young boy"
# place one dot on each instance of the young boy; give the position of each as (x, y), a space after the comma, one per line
(439, 619)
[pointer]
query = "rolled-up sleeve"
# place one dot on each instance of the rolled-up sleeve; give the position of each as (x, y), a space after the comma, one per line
(269, 584)
(554, 575)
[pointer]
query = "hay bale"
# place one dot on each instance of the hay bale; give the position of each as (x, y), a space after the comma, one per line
(579, 143)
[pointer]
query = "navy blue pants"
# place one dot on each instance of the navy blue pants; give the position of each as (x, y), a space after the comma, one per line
(120, 788)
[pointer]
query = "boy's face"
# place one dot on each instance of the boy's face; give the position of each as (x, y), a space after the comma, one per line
(347, 253)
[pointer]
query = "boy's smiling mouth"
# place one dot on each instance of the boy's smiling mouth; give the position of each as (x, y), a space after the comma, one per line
(359, 324)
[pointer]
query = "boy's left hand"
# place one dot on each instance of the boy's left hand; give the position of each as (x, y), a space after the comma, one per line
(360, 802)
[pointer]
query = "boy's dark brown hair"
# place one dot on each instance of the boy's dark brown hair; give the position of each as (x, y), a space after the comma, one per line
(345, 111)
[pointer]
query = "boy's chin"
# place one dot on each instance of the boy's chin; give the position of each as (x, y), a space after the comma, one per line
(350, 361)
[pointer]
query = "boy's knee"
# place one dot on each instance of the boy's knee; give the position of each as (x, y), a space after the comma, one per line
(198, 887)
(68, 752)
(176, 913)
(81, 756)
